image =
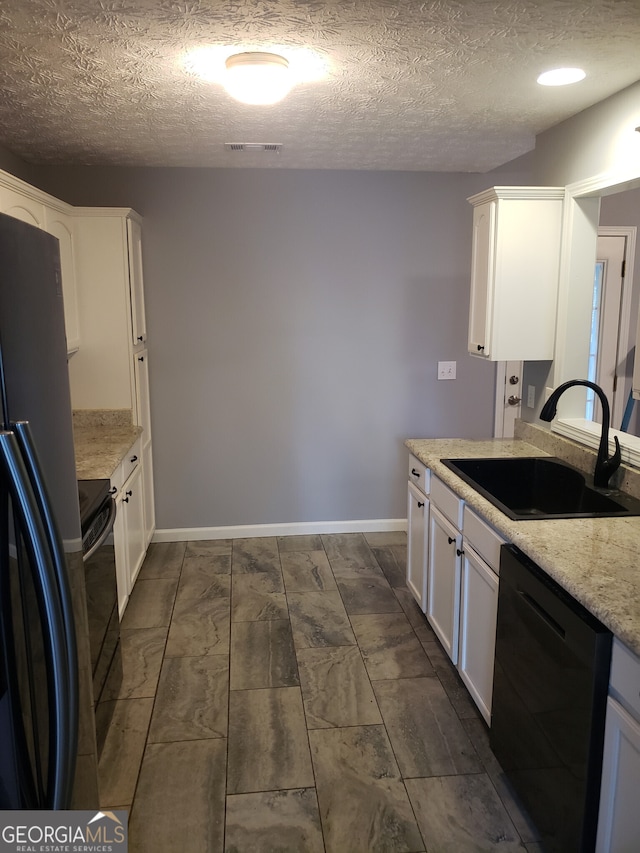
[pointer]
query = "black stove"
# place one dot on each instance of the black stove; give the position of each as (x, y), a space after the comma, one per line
(92, 494)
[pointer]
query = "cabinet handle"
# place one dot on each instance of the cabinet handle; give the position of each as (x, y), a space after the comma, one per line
(113, 490)
(480, 347)
(415, 473)
(134, 459)
(459, 552)
(140, 358)
(420, 504)
(451, 541)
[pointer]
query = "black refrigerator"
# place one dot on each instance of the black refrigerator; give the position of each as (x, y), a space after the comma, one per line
(40, 536)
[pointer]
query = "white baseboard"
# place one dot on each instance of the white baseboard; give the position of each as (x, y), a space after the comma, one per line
(303, 528)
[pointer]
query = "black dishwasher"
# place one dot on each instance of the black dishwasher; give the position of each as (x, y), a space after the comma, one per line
(549, 698)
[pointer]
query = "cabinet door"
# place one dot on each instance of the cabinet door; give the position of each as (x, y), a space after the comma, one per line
(143, 412)
(136, 282)
(120, 548)
(443, 588)
(133, 513)
(417, 539)
(619, 818)
(482, 267)
(148, 495)
(478, 612)
(61, 226)
(21, 207)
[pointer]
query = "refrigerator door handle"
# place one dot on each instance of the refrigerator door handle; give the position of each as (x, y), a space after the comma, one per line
(22, 430)
(60, 770)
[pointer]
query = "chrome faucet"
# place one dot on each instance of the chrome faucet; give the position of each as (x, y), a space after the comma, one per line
(605, 465)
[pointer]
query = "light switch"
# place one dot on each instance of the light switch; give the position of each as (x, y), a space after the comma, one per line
(446, 370)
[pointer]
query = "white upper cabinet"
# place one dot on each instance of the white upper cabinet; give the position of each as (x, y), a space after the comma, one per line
(21, 206)
(136, 282)
(61, 226)
(514, 272)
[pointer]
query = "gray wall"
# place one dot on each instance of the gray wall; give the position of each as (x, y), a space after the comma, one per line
(295, 323)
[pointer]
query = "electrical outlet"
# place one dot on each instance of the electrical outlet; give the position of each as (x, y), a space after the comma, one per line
(531, 396)
(446, 370)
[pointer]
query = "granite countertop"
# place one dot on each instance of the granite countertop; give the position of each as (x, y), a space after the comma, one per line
(102, 438)
(597, 560)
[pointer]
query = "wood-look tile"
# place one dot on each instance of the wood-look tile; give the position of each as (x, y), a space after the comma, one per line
(262, 655)
(192, 699)
(180, 799)
(268, 746)
(389, 646)
(349, 552)
(150, 603)
(335, 688)
(363, 804)
(368, 595)
(392, 559)
(208, 548)
(199, 627)
(199, 581)
(284, 821)
(427, 736)
(163, 560)
(462, 814)
(384, 539)
(256, 555)
(319, 619)
(257, 597)
(478, 734)
(410, 607)
(307, 571)
(142, 650)
(122, 752)
(300, 543)
(456, 691)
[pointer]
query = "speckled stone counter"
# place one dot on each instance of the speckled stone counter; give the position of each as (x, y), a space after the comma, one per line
(102, 438)
(597, 560)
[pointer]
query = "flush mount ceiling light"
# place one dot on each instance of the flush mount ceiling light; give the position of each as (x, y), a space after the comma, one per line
(257, 78)
(561, 76)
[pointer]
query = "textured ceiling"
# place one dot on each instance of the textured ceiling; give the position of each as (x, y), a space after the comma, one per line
(442, 86)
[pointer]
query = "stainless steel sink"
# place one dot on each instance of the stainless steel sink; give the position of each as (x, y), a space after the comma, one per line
(541, 487)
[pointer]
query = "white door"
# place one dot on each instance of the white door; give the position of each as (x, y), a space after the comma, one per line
(508, 397)
(610, 320)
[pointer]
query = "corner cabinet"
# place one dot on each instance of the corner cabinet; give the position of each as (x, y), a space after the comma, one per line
(515, 264)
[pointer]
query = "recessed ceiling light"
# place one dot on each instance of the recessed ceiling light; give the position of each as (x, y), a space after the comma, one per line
(561, 76)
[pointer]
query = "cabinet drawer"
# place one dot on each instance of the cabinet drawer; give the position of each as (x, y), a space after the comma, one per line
(449, 504)
(625, 676)
(484, 539)
(126, 467)
(419, 474)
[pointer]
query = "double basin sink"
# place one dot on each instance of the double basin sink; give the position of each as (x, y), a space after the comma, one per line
(541, 487)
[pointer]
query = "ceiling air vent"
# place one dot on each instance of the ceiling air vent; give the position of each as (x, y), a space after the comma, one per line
(253, 146)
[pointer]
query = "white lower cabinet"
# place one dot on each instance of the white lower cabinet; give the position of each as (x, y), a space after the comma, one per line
(619, 816)
(445, 561)
(129, 530)
(478, 612)
(417, 544)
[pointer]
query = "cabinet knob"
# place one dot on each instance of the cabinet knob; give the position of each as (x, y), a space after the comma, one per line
(480, 347)
(140, 337)
(451, 541)
(129, 493)
(459, 552)
(513, 400)
(125, 500)
(415, 473)
(140, 358)
(133, 459)
(420, 504)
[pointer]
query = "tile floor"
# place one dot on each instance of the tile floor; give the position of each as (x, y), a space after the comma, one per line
(288, 695)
